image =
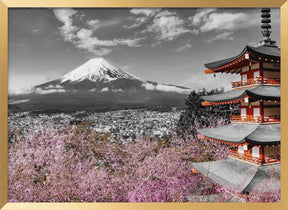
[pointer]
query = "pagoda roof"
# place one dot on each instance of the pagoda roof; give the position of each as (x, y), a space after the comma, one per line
(267, 51)
(268, 92)
(236, 133)
(240, 176)
(265, 134)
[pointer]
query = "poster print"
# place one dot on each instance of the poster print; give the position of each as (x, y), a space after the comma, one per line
(113, 105)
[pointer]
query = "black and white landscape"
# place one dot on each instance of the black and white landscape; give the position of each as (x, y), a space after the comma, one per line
(98, 85)
(64, 60)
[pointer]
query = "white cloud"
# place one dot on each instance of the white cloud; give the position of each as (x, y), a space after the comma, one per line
(101, 51)
(106, 89)
(94, 24)
(84, 33)
(10, 102)
(58, 86)
(144, 11)
(144, 15)
(50, 89)
(148, 86)
(92, 90)
(66, 17)
(168, 27)
(35, 30)
(137, 22)
(164, 25)
(213, 19)
(184, 47)
(166, 88)
(110, 22)
(86, 41)
(54, 87)
(117, 90)
(85, 38)
(226, 21)
(226, 35)
(42, 92)
(129, 42)
(222, 24)
(165, 13)
(201, 16)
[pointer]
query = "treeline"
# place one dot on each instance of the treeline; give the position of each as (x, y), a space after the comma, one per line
(197, 116)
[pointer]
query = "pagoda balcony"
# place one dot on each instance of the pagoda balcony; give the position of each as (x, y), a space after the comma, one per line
(266, 160)
(255, 119)
(255, 81)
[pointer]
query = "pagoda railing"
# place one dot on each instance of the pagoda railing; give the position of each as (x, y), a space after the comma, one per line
(257, 80)
(256, 160)
(235, 154)
(256, 119)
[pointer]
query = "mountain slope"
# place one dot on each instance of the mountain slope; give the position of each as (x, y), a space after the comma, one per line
(99, 75)
(97, 69)
(99, 85)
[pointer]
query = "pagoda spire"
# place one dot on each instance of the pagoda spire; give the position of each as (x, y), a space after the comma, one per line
(266, 29)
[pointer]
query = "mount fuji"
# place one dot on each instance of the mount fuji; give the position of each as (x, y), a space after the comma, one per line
(99, 75)
(100, 85)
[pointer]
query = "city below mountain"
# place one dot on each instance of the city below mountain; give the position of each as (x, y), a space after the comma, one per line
(98, 85)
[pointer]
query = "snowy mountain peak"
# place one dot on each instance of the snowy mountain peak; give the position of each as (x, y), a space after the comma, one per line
(97, 69)
(98, 75)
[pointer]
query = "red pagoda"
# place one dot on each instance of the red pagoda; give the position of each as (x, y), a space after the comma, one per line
(254, 135)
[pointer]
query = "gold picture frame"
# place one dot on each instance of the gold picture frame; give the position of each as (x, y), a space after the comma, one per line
(6, 4)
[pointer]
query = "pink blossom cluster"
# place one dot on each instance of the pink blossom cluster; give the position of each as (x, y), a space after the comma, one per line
(76, 164)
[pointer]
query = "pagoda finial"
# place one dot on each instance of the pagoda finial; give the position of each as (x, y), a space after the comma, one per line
(265, 23)
(265, 14)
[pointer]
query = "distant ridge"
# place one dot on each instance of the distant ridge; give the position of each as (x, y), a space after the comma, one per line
(99, 85)
(99, 75)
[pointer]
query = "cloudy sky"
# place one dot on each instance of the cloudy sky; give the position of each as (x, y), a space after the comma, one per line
(169, 46)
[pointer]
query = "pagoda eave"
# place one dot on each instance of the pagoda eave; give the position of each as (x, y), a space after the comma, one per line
(239, 176)
(237, 134)
(219, 141)
(235, 101)
(265, 135)
(260, 92)
(248, 54)
(232, 67)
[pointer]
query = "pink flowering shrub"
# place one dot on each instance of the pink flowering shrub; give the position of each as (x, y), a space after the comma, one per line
(266, 191)
(264, 197)
(76, 164)
(263, 193)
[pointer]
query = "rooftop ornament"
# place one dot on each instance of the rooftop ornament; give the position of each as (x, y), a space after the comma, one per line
(265, 14)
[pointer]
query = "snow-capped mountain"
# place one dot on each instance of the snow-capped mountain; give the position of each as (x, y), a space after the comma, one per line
(97, 69)
(99, 85)
(99, 75)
